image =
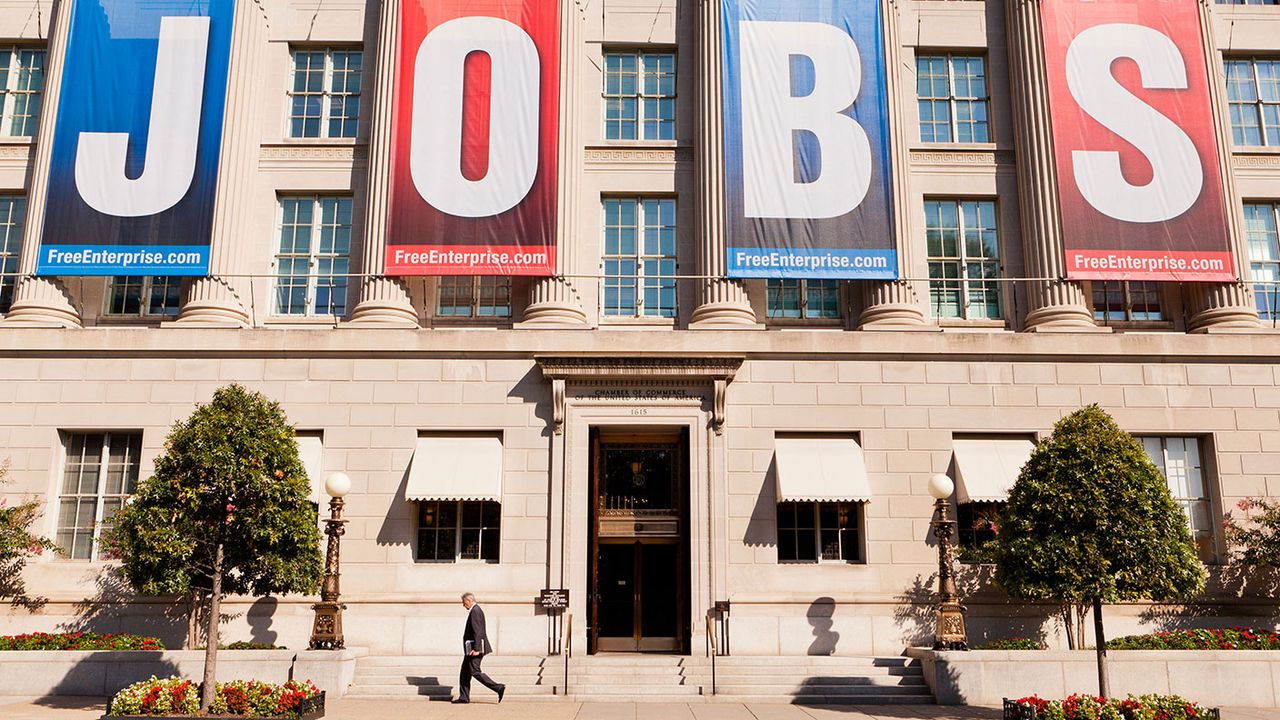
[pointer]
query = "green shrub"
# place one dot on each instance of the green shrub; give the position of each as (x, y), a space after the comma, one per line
(1134, 707)
(245, 645)
(1200, 639)
(79, 641)
(1012, 644)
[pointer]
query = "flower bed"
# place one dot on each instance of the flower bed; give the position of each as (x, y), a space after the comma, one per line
(79, 641)
(1012, 644)
(176, 697)
(1091, 707)
(1237, 638)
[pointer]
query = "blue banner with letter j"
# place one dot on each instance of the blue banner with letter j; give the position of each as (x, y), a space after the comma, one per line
(137, 138)
(806, 144)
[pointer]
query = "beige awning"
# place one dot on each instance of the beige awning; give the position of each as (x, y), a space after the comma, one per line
(456, 467)
(819, 469)
(987, 468)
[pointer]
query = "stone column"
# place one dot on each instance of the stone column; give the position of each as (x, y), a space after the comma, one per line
(219, 299)
(1216, 306)
(43, 301)
(554, 301)
(384, 301)
(722, 303)
(896, 303)
(1055, 303)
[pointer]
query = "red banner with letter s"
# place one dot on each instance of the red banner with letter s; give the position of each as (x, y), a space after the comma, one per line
(473, 165)
(1139, 183)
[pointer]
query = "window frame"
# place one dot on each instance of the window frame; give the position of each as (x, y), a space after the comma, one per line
(1202, 467)
(99, 496)
(458, 530)
(326, 93)
(12, 91)
(857, 527)
(11, 232)
(802, 289)
(477, 292)
(963, 280)
(1127, 293)
(314, 257)
(1257, 105)
(951, 99)
(148, 283)
(1266, 295)
(641, 119)
(643, 282)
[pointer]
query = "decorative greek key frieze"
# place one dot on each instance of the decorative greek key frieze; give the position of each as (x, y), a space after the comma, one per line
(1256, 161)
(968, 159)
(644, 155)
(312, 152)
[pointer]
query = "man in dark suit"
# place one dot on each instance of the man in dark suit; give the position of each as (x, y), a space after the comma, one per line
(475, 645)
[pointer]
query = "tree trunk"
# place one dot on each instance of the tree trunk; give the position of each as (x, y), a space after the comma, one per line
(1104, 686)
(211, 634)
(193, 620)
(1082, 611)
(1068, 625)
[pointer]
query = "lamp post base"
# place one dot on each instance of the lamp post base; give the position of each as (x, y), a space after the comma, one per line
(951, 634)
(326, 630)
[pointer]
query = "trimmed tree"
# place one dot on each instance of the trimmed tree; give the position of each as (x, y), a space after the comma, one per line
(1091, 520)
(17, 544)
(225, 513)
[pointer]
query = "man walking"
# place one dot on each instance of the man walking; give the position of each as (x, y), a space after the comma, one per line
(475, 645)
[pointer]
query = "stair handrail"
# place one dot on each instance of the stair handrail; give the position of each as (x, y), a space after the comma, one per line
(566, 641)
(712, 650)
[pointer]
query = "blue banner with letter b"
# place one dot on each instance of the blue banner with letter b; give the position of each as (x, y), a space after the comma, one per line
(806, 143)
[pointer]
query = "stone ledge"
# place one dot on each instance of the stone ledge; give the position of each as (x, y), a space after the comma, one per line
(103, 672)
(1239, 678)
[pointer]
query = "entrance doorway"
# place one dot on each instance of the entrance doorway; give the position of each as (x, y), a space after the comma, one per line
(639, 600)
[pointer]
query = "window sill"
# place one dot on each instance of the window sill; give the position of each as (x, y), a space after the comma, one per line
(958, 325)
(636, 144)
(1255, 150)
(954, 146)
(341, 142)
(804, 324)
(310, 321)
(1137, 325)
(614, 322)
(16, 140)
(443, 323)
(828, 563)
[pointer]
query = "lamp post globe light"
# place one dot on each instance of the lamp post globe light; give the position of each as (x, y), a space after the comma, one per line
(326, 630)
(950, 633)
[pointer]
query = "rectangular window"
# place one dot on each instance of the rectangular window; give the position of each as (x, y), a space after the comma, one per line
(158, 296)
(819, 531)
(1253, 97)
(1179, 461)
(639, 96)
(324, 98)
(977, 523)
(964, 259)
(474, 296)
(313, 257)
(101, 472)
(802, 298)
(452, 530)
(951, 93)
(13, 215)
(23, 88)
(640, 257)
(1126, 301)
(1264, 257)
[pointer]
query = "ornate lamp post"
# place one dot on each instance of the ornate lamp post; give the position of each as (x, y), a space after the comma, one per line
(950, 634)
(326, 630)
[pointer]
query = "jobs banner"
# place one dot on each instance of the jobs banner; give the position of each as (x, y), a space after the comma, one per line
(474, 158)
(1137, 165)
(134, 172)
(806, 146)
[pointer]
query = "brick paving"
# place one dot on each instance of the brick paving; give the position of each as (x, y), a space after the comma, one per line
(82, 708)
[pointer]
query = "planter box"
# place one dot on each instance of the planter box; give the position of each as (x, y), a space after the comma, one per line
(310, 709)
(102, 673)
(1014, 711)
(1239, 678)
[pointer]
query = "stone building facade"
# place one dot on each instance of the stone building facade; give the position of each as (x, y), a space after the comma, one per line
(700, 387)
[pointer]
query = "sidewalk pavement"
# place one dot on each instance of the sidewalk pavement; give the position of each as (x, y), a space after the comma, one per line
(90, 708)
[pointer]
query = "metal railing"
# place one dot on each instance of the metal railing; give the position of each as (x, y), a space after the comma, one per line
(712, 650)
(259, 294)
(567, 643)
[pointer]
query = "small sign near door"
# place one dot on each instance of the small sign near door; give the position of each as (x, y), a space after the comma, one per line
(553, 599)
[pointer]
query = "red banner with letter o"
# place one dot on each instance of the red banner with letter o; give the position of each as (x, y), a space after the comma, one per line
(1139, 184)
(473, 161)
